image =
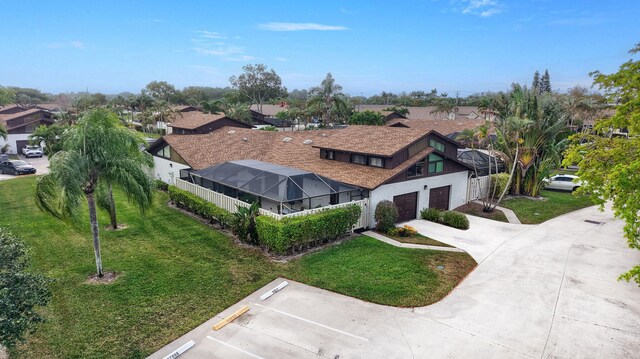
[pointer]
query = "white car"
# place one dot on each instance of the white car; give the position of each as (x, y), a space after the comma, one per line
(32, 151)
(563, 182)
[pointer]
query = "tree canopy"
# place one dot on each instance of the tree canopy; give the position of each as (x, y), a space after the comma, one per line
(610, 166)
(366, 118)
(21, 291)
(258, 84)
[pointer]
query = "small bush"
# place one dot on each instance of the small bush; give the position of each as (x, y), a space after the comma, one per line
(386, 216)
(455, 219)
(501, 179)
(448, 218)
(192, 203)
(431, 214)
(161, 185)
(292, 234)
(406, 231)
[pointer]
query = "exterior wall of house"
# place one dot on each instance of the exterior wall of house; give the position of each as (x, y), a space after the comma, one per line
(458, 193)
(12, 140)
(167, 170)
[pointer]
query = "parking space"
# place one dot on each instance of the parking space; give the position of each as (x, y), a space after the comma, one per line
(40, 163)
(544, 291)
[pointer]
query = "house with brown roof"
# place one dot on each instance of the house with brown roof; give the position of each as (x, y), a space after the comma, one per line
(197, 122)
(413, 168)
(21, 124)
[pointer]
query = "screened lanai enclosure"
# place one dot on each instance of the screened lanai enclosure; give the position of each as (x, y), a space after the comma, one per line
(481, 161)
(277, 188)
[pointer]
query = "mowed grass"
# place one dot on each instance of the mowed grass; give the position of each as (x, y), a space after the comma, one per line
(417, 239)
(555, 203)
(176, 273)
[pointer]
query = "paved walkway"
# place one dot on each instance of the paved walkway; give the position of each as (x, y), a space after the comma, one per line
(544, 291)
(395, 243)
(511, 215)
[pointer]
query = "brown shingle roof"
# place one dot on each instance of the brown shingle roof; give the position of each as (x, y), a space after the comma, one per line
(378, 140)
(11, 116)
(270, 110)
(444, 127)
(238, 144)
(194, 119)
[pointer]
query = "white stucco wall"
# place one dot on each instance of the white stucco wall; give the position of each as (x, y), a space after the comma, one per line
(11, 139)
(457, 195)
(167, 170)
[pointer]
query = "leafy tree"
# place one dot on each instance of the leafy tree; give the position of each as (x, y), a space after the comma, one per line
(536, 84)
(258, 84)
(195, 95)
(401, 110)
(445, 106)
(213, 107)
(367, 118)
(97, 149)
(329, 100)
(51, 136)
(161, 90)
(545, 82)
(610, 167)
(28, 97)
(21, 292)
(3, 132)
(7, 96)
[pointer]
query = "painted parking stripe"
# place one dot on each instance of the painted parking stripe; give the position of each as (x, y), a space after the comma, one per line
(235, 347)
(312, 322)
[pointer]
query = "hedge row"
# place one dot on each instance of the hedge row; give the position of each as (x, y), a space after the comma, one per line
(192, 203)
(293, 234)
(448, 218)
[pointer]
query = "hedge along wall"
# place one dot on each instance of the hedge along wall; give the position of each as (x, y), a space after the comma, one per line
(192, 203)
(293, 234)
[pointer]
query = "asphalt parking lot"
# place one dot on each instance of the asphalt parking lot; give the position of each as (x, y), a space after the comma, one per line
(40, 163)
(544, 291)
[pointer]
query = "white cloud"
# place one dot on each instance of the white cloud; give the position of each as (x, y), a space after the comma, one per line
(66, 45)
(219, 51)
(483, 8)
(293, 26)
(283, 59)
(211, 34)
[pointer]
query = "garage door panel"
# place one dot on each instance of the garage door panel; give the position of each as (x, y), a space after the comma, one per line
(439, 197)
(407, 205)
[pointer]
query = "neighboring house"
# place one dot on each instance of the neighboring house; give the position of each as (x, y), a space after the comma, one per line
(10, 109)
(260, 119)
(196, 122)
(449, 128)
(21, 124)
(183, 108)
(412, 168)
(427, 113)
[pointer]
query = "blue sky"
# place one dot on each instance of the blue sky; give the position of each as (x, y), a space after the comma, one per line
(369, 46)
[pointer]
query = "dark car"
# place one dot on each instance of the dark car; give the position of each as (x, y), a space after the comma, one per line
(16, 167)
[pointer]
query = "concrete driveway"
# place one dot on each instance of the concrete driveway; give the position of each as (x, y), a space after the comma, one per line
(539, 291)
(40, 163)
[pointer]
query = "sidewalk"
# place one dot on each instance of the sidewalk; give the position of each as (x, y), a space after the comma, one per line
(393, 242)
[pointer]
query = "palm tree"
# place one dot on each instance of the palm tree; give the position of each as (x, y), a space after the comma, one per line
(328, 98)
(213, 107)
(97, 149)
(51, 136)
(3, 132)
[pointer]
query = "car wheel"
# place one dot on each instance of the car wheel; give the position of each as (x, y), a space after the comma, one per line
(575, 188)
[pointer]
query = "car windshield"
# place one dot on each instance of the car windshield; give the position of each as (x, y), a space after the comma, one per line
(19, 163)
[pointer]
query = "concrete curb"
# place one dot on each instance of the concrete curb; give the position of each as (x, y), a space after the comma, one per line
(511, 216)
(410, 245)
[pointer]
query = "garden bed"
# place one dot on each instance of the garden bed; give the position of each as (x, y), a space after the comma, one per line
(476, 209)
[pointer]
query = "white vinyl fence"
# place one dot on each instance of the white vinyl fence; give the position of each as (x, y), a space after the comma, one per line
(230, 204)
(477, 188)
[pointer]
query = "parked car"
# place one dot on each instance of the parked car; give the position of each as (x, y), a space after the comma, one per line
(16, 167)
(562, 182)
(32, 151)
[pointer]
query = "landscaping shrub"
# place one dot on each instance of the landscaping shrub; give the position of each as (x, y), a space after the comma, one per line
(501, 179)
(455, 219)
(448, 218)
(161, 185)
(293, 234)
(431, 214)
(386, 216)
(243, 223)
(192, 203)
(405, 231)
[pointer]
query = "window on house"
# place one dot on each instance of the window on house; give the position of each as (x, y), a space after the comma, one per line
(359, 159)
(437, 145)
(436, 164)
(330, 155)
(376, 162)
(416, 170)
(165, 152)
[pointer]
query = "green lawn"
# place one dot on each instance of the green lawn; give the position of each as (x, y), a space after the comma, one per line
(176, 273)
(417, 239)
(531, 211)
(475, 209)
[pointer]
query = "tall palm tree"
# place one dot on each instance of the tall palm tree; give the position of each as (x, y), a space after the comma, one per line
(97, 149)
(329, 98)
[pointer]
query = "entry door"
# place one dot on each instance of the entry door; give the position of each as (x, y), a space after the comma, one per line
(407, 205)
(439, 197)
